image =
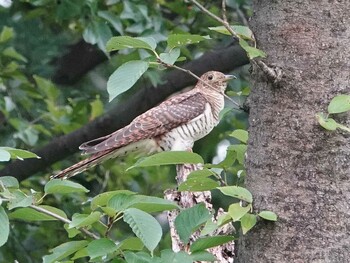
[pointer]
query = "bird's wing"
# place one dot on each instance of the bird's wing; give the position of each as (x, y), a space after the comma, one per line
(154, 122)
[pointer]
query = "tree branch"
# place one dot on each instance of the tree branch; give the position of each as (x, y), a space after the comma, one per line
(123, 113)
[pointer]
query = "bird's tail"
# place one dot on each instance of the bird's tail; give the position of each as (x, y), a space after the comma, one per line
(147, 146)
(83, 165)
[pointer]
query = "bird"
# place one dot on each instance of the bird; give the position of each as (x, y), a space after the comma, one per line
(173, 125)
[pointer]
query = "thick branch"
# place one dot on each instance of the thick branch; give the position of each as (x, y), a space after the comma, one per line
(123, 113)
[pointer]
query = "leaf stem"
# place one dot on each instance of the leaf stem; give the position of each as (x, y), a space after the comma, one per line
(65, 220)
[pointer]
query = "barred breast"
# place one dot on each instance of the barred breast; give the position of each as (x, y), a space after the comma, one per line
(182, 137)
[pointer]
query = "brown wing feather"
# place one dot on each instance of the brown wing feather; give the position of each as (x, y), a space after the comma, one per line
(154, 122)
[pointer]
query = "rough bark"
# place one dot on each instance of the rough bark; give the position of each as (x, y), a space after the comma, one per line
(123, 113)
(294, 167)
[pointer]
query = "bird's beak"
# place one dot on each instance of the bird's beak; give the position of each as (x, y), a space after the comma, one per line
(229, 77)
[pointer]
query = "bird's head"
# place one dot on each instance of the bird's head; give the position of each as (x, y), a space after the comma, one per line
(215, 80)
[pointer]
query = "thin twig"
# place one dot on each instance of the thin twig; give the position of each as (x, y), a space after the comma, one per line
(65, 220)
(223, 22)
(223, 7)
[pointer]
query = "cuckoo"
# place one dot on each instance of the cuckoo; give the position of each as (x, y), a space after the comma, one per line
(173, 125)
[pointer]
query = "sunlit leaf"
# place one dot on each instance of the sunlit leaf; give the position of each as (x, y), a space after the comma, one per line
(169, 157)
(178, 40)
(29, 214)
(252, 52)
(248, 221)
(237, 192)
(6, 34)
(268, 215)
(122, 42)
(236, 211)
(102, 199)
(81, 220)
(241, 135)
(196, 184)
(18, 153)
(339, 104)
(63, 187)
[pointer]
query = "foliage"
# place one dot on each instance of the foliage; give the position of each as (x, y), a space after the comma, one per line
(104, 224)
(339, 104)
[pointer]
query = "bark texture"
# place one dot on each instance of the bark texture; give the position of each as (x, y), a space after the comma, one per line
(296, 168)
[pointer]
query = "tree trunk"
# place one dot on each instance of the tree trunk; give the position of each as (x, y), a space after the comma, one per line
(296, 168)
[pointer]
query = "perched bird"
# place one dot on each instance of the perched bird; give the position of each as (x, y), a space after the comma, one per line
(173, 125)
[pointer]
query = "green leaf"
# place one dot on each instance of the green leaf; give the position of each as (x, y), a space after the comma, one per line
(248, 221)
(29, 214)
(12, 53)
(139, 257)
(72, 232)
(122, 42)
(145, 227)
(113, 19)
(208, 242)
(5, 156)
(63, 187)
(169, 256)
(151, 204)
(125, 77)
(241, 31)
(327, 123)
(240, 150)
(120, 202)
(64, 250)
(268, 215)
(195, 184)
(4, 226)
(19, 199)
(96, 108)
(202, 256)
(190, 219)
(6, 34)
(339, 104)
(200, 174)
(102, 199)
(252, 52)
(81, 220)
(209, 227)
(178, 40)
(236, 211)
(47, 88)
(101, 247)
(240, 135)
(9, 181)
(237, 192)
(171, 57)
(169, 157)
(131, 243)
(19, 154)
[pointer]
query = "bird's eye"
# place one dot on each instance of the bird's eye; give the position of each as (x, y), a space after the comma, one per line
(210, 77)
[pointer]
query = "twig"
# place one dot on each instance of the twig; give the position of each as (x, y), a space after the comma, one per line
(65, 220)
(222, 21)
